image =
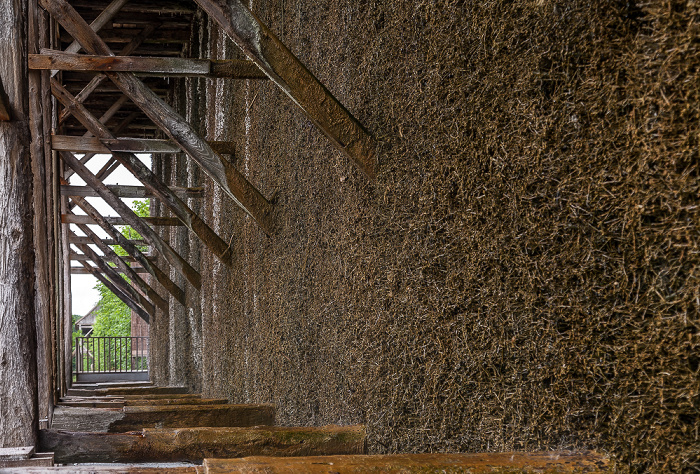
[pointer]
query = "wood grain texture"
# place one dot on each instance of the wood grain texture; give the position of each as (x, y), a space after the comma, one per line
(18, 350)
(196, 444)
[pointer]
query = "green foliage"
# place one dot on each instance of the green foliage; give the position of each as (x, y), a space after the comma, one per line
(142, 209)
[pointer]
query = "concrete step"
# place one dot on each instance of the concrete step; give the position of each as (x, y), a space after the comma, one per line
(196, 444)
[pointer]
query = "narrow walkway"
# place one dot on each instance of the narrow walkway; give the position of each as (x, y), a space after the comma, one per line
(140, 428)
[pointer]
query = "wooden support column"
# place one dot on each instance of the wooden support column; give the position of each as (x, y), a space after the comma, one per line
(219, 169)
(117, 292)
(18, 343)
(282, 67)
(132, 250)
(194, 444)
(117, 279)
(125, 269)
(186, 215)
(134, 221)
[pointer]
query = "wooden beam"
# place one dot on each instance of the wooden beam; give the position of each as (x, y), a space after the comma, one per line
(87, 240)
(133, 220)
(482, 463)
(111, 256)
(186, 215)
(282, 67)
(128, 145)
(97, 80)
(102, 19)
(219, 169)
(136, 418)
(194, 444)
(126, 191)
(131, 248)
(117, 292)
(118, 281)
(83, 271)
(154, 221)
(149, 66)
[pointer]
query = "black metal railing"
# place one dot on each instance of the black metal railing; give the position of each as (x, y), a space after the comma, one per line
(101, 355)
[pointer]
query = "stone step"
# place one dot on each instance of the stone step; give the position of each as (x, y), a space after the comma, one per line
(133, 418)
(417, 463)
(97, 392)
(196, 444)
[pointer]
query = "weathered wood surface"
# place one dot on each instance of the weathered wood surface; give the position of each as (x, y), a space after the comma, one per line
(136, 417)
(82, 271)
(111, 402)
(126, 191)
(88, 469)
(282, 67)
(128, 145)
(87, 240)
(557, 462)
(183, 212)
(196, 444)
(111, 256)
(220, 170)
(4, 107)
(18, 350)
(158, 66)
(114, 220)
(117, 204)
(127, 391)
(102, 19)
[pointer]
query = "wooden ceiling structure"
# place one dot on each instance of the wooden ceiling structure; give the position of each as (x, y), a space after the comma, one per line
(106, 65)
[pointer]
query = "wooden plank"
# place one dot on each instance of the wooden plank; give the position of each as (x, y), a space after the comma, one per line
(87, 220)
(183, 212)
(16, 454)
(220, 170)
(195, 444)
(117, 292)
(96, 81)
(91, 469)
(83, 271)
(102, 19)
(18, 343)
(135, 418)
(111, 256)
(134, 221)
(130, 248)
(282, 67)
(118, 280)
(157, 66)
(87, 240)
(125, 191)
(40, 461)
(483, 463)
(129, 145)
(130, 391)
(122, 402)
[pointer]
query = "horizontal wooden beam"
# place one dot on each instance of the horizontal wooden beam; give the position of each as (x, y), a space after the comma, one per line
(285, 70)
(125, 191)
(155, 221)
(481, 463)
(156, 66)
(220, 170)
(193, 444)
(129, 145)
(87, 240)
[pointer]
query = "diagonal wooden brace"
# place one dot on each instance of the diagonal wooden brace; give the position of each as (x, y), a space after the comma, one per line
(131, 248)
(147, 177)
(282, 67)
(220, 170)
(134, 221)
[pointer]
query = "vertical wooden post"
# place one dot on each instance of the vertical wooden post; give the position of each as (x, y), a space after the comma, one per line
(18, 372)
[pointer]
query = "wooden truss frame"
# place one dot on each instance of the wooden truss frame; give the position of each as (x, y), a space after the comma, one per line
(269, 59)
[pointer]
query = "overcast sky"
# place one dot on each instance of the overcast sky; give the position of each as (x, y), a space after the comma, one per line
(83, 286)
